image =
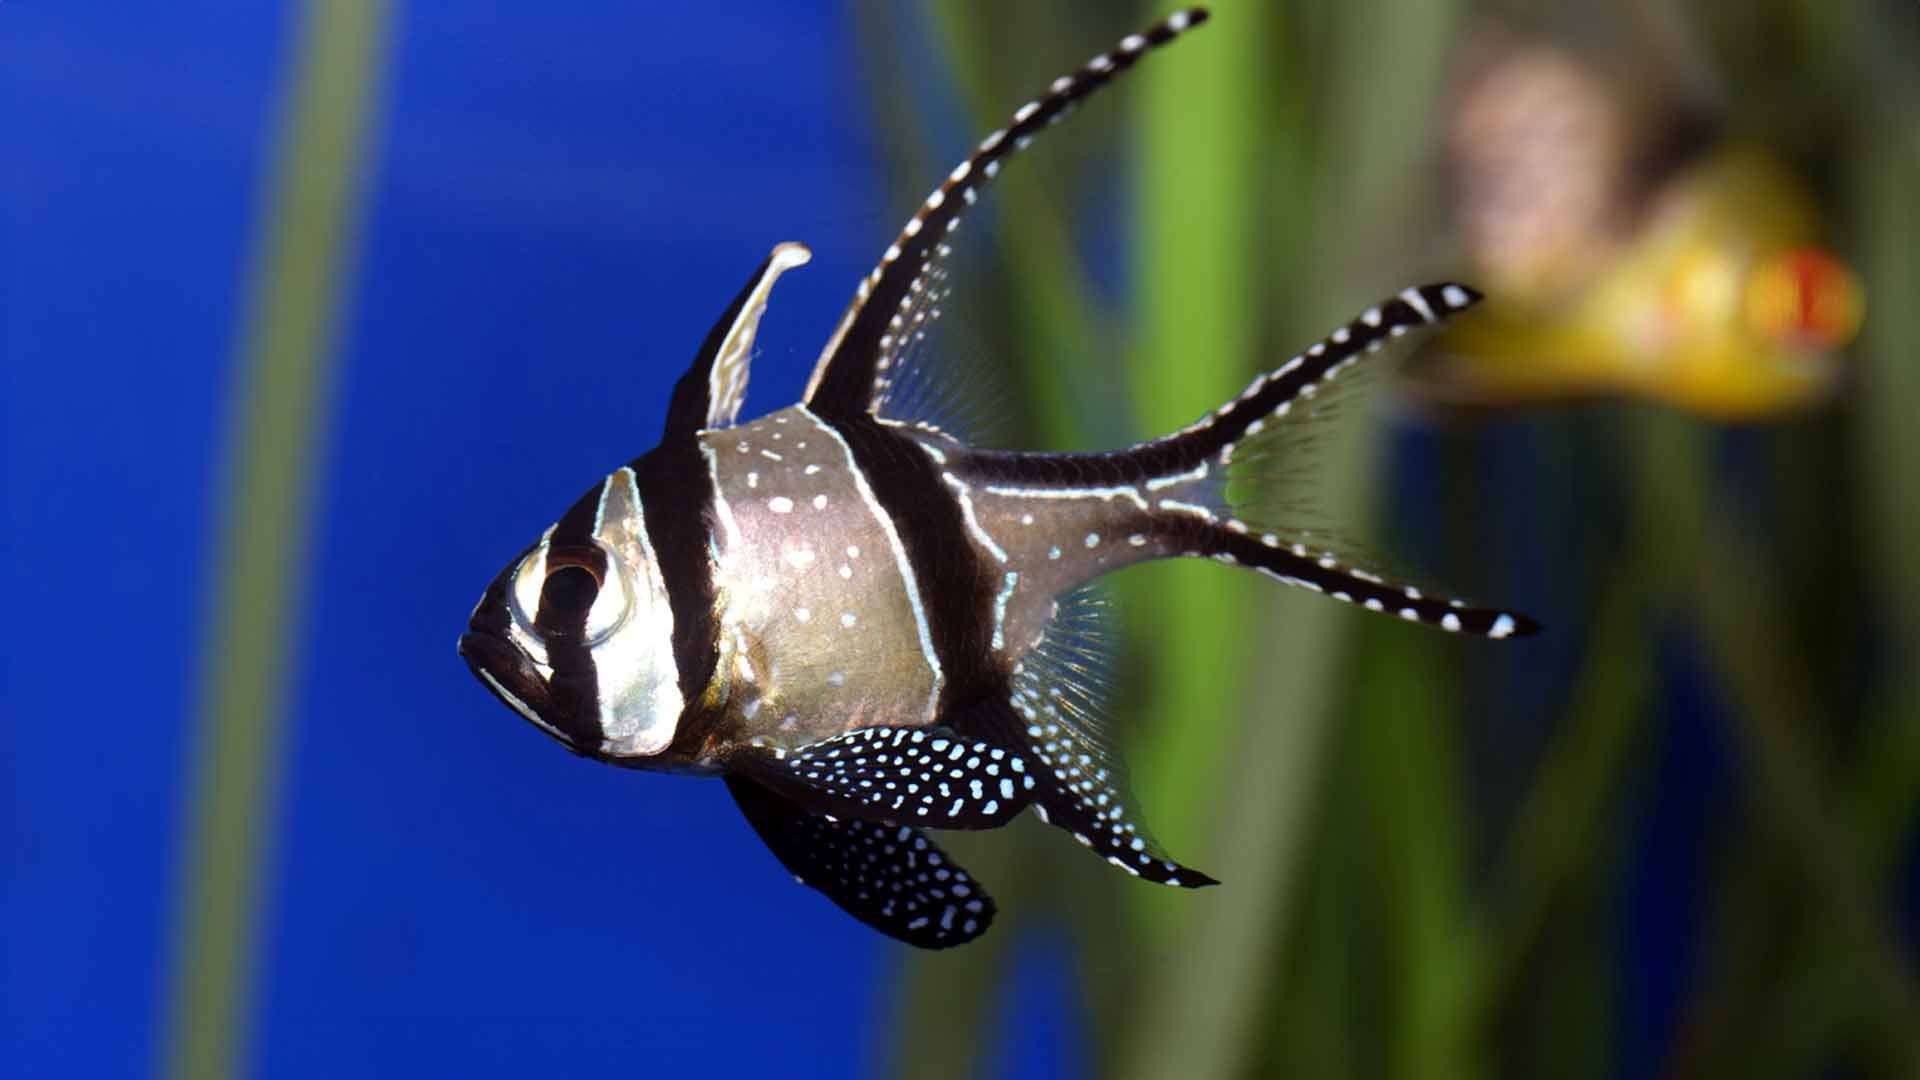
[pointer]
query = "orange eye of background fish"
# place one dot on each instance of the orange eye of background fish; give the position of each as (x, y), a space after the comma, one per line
(1806, 298)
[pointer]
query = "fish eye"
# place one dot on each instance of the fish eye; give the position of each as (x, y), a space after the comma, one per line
(1805, 297)
(564, 593)
(569, 590)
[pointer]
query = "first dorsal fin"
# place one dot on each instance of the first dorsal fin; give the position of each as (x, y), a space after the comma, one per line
(709, 395)
(894, 304)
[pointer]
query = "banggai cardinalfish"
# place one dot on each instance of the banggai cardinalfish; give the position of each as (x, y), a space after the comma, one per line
(869, 628)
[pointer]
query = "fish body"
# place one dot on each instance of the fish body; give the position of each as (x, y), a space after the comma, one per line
(871, 628)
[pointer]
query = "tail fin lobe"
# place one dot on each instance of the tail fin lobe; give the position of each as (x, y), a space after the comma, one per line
(1273, 396)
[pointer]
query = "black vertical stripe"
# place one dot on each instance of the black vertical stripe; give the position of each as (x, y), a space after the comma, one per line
(956, 591)
(571, 543)
(574, 689)
(677, 501)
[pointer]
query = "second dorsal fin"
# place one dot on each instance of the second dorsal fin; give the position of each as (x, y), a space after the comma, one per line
(894, 304)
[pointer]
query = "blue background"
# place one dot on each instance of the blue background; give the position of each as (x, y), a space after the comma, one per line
(560, 203)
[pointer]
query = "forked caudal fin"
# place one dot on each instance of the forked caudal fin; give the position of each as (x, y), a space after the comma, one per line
(1169, 496)
(1210, 441)
(1199, 458)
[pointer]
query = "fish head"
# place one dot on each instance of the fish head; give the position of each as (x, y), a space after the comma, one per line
(576, 634)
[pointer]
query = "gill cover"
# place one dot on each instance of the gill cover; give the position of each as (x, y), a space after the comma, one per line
(613, 630)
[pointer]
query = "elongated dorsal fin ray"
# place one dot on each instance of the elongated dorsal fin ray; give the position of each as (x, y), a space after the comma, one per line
(896, 302)
(890, 877)
(710, 394)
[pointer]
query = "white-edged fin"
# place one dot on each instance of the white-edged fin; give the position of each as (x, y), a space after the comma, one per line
(727, 382)
(890, 877)
(1057, 713)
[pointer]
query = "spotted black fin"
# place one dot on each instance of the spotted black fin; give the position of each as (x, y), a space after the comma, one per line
(1056, 712)
(929, 777)
(900, 298)
(710, 394)
(890, 877)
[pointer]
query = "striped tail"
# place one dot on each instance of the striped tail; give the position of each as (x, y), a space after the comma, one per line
(1210, 441)
(1190, 469)
(1325, 572)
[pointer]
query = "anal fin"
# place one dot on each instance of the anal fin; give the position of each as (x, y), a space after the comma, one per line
(1074, 792)
(890, 877)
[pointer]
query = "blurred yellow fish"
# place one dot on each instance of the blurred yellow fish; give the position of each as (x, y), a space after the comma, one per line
(1617, 262)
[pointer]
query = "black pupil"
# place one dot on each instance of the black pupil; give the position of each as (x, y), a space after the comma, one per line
(569, 589)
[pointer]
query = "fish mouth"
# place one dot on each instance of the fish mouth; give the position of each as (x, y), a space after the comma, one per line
(511, 676)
